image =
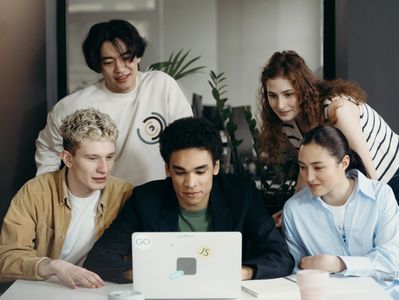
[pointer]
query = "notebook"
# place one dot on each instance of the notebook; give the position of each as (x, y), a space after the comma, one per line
(277, 288)
(187, 265)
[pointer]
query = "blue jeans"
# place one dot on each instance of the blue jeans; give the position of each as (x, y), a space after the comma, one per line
(394, 184)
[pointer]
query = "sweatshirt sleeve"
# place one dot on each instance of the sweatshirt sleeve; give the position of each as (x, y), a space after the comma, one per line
(48, 146)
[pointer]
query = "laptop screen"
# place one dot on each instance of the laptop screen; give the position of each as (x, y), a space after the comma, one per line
(189, 265)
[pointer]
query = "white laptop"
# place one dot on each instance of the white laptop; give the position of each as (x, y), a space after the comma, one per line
(187, 265)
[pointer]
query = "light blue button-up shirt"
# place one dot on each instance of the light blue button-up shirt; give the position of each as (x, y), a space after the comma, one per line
(371, 225)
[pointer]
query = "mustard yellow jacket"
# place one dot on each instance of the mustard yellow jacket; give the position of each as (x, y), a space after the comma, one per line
(37, 220)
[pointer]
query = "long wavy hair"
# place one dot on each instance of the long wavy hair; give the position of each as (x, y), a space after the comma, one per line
(289, 65)
(310, 92)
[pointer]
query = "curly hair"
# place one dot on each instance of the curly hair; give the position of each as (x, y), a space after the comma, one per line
(329, 89)
(114, 31)
(87, 123)
(310, 92)
(188, 133)
(290, 65)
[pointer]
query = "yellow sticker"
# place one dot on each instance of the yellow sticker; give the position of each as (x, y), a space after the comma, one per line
(204, 252)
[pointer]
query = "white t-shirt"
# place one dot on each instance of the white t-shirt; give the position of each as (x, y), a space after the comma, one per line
(81, 233)
(339, 214)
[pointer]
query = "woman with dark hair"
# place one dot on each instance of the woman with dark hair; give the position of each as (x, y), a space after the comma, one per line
(293, 101)
(342, 221)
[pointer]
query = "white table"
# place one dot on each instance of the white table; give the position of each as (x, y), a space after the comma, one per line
(341, 288)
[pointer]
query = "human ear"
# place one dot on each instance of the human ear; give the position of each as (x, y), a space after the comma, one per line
(66, 158)
(167, 170)
(216, 167)
(345, 162)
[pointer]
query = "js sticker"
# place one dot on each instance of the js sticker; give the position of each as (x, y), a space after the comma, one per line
(204, 252)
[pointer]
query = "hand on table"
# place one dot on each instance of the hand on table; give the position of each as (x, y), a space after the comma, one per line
(329, 263)
(246, 273)
(70, 274)
(128, 275)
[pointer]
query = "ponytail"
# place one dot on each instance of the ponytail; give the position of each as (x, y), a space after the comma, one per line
(357, 163)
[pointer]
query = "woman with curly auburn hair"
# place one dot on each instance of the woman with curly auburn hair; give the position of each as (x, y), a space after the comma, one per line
(293, 101)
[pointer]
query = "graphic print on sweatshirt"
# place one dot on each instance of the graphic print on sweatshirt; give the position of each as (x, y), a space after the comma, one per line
(151, 128)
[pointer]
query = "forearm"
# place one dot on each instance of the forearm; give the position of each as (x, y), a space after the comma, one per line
(17, 264)
(73, 276)
(374, 267)
(47, 267)
(17, 260)
(110, 257)
(329, 263)
(271, 265)
(47, 160)
(268, 251)
(109, 267)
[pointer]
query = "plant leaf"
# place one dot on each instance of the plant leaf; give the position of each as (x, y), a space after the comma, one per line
(236, 143)
(173, 63)
(166, 69)
(215, 94)
(159, 66)
(221, 74)
(179, 62)
(190, 62)
(211, 84)
(190, 71)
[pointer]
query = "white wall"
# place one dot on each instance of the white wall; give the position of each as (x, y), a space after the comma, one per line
(251, 31)
(192, 24)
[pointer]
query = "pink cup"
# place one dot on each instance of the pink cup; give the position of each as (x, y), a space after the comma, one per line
(312, 284)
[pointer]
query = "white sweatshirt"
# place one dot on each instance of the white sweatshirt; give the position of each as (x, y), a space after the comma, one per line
(140, 115)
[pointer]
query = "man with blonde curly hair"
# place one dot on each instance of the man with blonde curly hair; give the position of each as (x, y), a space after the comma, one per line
(55, 218)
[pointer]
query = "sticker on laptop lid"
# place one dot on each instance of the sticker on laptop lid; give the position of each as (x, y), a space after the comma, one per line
(142, 241)
(204, 252)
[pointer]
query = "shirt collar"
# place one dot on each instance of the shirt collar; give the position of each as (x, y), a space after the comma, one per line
(63, 192)
(364, 185)
(63, 189)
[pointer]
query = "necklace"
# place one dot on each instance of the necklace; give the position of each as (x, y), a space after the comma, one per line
(340, 216)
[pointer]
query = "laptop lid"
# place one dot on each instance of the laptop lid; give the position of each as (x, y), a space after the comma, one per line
(189, 265)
